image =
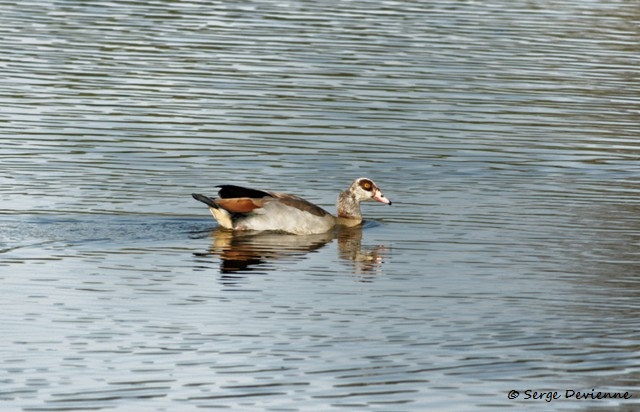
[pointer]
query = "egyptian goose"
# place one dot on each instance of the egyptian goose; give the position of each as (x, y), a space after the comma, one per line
(240, 208)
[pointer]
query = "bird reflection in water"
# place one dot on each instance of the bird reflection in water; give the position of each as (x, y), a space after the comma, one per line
(248, 251)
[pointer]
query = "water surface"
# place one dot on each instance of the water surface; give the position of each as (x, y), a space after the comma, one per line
(505, 133)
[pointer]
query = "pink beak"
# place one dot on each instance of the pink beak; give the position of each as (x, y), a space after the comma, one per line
(379, 197)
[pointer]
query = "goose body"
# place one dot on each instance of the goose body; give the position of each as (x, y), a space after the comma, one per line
(241, 208)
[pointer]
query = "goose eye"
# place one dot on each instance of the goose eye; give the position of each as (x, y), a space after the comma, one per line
(366, 185)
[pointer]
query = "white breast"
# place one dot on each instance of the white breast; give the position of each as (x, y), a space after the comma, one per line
(278, 216)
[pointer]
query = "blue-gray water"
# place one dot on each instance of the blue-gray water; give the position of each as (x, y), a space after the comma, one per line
(506, 133)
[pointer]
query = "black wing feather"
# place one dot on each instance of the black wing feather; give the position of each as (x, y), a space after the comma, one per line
(232, 191)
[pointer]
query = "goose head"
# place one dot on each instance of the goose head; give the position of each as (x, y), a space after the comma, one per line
(364, 189)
